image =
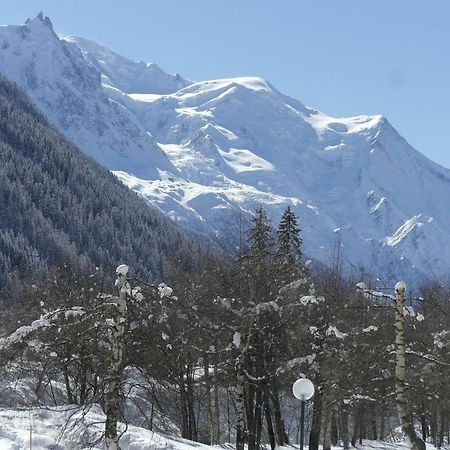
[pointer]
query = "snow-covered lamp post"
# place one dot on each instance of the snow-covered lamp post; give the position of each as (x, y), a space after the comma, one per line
(303, 389)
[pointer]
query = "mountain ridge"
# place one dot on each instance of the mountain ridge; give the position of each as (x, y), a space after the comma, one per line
(139, 76)
(70, 93)
(220, 148)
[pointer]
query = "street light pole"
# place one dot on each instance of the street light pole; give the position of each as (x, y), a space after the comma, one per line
(303, 389)
(302, 424)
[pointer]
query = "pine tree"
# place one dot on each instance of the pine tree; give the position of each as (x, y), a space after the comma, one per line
(260, 258)
(261, 240)
(288, 237)
(288, 247)
(262, 332)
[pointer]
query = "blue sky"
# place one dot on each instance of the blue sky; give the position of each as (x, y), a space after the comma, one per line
(344, 57)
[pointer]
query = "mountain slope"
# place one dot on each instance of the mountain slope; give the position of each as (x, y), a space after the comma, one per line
(58, 206)
(215, 150)
(69, 91)
(355, 181)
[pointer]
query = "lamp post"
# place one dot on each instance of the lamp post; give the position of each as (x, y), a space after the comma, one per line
(303, 389)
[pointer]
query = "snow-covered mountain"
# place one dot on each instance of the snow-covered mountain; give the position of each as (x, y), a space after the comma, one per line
(207, 153)
(69, 91)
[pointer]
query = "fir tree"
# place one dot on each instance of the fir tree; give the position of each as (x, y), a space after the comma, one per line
(261, 240)
(260, 257)
(288, 246)
(288, 237)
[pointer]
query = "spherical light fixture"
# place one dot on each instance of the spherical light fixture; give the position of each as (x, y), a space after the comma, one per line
(303, 389)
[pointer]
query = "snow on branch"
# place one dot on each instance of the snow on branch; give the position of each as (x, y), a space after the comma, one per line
(45, 321)
(294, 285)
(373, 293)
(408, 311)
(333, 331)
(265, 307)
(427, 357)
(164, 290)
(311, 300)
(370, 328)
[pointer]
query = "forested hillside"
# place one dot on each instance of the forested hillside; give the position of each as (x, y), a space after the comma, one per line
(59, 206)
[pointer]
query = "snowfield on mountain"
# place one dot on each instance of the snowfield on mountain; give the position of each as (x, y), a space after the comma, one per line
(207, 153)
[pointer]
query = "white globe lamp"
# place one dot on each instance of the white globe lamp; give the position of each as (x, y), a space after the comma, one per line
(303, 389)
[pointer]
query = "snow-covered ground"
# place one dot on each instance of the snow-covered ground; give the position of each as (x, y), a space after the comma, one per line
(61, 428)
(207, 153)
(67, 429)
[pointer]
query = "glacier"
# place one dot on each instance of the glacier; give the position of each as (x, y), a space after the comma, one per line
(208, 153)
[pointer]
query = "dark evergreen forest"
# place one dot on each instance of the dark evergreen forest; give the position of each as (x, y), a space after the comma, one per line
(59, 207)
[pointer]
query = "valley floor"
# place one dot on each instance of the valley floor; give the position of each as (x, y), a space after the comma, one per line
(69, 429)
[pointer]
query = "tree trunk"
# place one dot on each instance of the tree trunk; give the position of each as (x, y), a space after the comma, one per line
(327, 430)
(117, 341)
(404, 413)
(152, 417)
(423, 422)
(270, 430)
(441, 434)
(240, 410)
(357, 425)
(362, 424)
(433, 425)
(250, 414)
(83, 384)
(344, 426)
(216, 400)
(211, 416)
(334, 429)
(184, 410)
(229, 416)
(382, 422)
(191, 412)
(373, 421)
(68, 388)
(258, 417)
(112, 413)
(280, 429)
(314, 437)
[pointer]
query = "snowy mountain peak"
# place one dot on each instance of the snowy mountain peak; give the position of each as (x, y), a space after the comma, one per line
(126, 75)
(39, 20)
(67, 87)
